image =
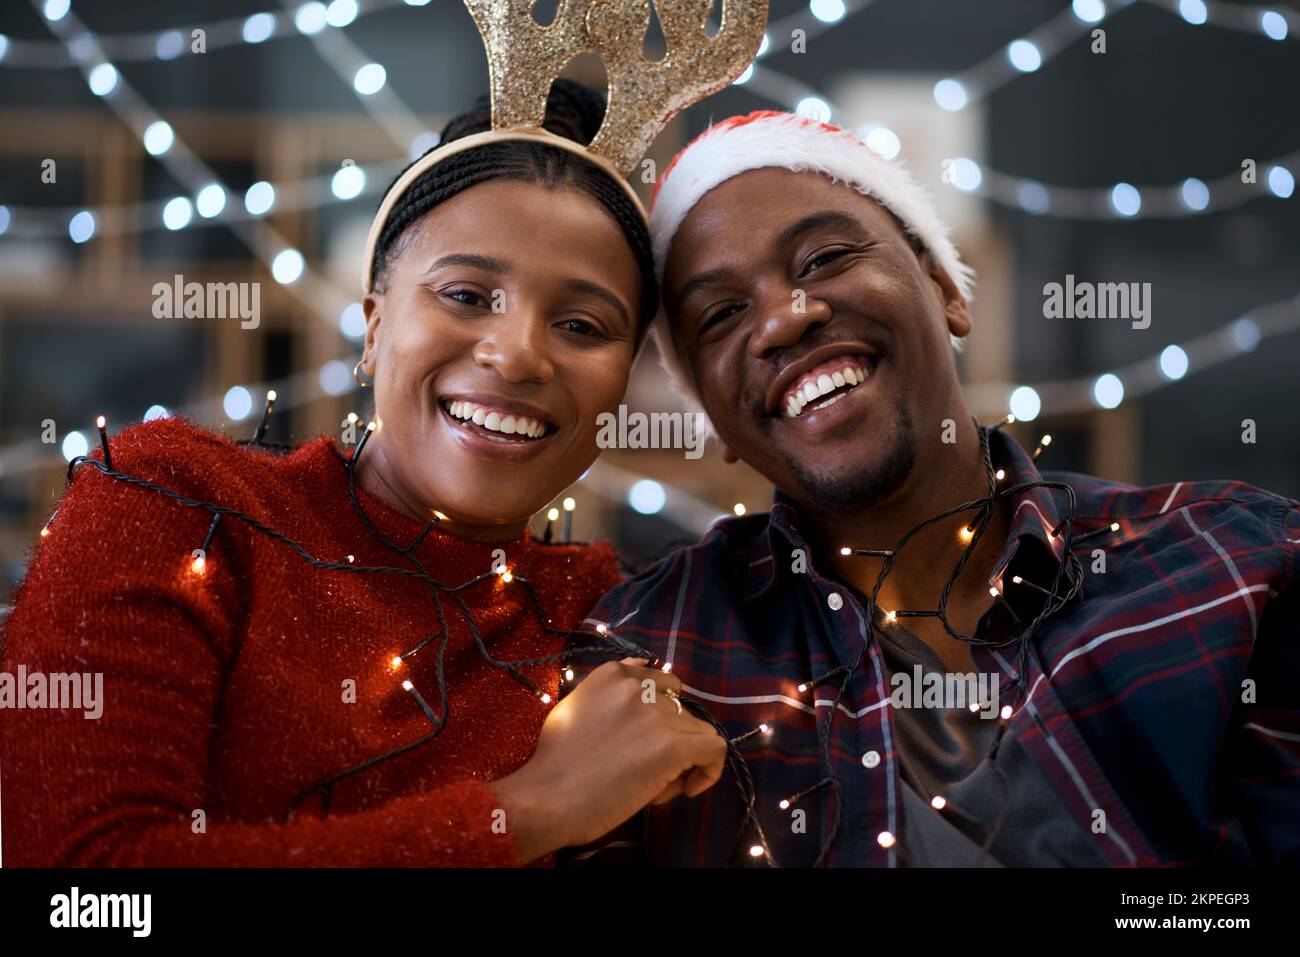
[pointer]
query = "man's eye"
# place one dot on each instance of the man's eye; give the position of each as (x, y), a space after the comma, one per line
(718, 315)
(823, 258)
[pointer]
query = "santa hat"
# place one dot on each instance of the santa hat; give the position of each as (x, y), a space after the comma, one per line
(767, 138)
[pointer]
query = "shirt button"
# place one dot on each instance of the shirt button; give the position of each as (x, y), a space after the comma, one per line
(835, 601)
(871, 759)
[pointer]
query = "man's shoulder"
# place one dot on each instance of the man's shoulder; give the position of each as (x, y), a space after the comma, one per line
(1097, 498)
(1235, 517)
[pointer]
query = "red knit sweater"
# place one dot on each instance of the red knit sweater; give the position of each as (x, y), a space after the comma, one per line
(226, 692)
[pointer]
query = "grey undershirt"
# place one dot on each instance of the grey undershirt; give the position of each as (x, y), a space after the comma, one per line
(1003, 801)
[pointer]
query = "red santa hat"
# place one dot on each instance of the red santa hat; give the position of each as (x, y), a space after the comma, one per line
(767, 138)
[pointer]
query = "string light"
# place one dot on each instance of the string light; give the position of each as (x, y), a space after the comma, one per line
(1043, 443)
(569, 505)
(101, 424)
(938, 802)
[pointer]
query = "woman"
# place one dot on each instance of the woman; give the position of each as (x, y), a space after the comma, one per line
(346, 674)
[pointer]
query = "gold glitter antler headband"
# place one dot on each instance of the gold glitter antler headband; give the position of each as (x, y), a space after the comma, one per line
(524, 58)
(644, 94)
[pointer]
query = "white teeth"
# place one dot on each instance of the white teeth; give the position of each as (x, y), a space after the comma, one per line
(506, 424)
(802, 395)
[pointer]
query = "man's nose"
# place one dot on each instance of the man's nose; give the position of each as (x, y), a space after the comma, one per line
(785, 317)
(516, 344)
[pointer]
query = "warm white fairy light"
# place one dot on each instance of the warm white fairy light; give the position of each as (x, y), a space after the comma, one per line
(756, 850)
(739, 508)
(938, 802)
(885, 839)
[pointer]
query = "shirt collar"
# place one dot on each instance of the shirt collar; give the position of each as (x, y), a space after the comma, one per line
(1036, 519)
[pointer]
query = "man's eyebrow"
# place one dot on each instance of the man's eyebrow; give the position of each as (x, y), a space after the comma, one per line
(825, 217)
(473, 260)
(595, 289)
(699, 281)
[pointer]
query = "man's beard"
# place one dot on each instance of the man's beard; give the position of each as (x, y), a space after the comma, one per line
(844, 494)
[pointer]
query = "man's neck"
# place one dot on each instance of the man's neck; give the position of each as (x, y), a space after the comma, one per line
(952, 475)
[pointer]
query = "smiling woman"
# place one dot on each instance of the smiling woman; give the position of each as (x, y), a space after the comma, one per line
(263, 694)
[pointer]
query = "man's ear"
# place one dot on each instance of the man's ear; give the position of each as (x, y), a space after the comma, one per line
(373, 306)
(956, 309)
(728, 456)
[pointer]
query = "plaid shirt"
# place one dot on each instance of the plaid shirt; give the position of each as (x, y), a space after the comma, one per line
(1167, 695)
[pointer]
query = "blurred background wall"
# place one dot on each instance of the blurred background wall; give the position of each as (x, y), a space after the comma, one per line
(1153, 141)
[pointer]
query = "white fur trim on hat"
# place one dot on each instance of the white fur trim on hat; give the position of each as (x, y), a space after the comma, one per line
(788, 141)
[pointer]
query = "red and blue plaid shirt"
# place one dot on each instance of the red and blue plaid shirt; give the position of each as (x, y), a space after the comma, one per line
(1166, 695)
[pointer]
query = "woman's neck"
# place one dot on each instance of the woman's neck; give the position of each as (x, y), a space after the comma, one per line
(379, 478)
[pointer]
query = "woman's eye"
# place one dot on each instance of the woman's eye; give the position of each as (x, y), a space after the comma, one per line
(465, 296)
(580, 326)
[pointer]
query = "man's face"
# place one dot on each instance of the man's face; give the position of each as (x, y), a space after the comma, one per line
(782, 290)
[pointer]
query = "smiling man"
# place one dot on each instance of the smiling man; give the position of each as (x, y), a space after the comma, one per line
(1140, 642)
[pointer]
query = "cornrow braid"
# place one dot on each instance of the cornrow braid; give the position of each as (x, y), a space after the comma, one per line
(573, 111)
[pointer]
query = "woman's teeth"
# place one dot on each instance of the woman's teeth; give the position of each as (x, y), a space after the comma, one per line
(496, 421)
(812, 388)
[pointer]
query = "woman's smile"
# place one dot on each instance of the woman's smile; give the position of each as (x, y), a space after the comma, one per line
(498, 428)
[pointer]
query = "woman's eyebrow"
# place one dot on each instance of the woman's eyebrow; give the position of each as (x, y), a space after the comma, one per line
(473, 260)
(595, 289)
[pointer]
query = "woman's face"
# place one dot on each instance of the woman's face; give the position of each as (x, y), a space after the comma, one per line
(508, 323)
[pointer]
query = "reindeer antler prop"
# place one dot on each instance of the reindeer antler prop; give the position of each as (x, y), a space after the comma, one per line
(644, 94)
(524, 58)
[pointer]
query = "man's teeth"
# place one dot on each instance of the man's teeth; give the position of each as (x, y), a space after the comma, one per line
(798, 398)
(495, 421)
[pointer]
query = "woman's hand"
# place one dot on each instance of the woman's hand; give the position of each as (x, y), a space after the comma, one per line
(607, 750)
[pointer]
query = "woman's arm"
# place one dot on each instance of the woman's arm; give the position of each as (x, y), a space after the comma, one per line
(110, 591)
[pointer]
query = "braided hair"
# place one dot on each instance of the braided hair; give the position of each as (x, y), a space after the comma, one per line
(573, 111)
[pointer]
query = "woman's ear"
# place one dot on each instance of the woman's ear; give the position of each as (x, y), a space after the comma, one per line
(956, 309)
(373, 306)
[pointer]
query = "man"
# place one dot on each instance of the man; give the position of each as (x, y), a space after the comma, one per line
(1129, 656)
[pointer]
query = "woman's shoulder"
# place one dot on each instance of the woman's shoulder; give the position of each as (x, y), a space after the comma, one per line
(192, 459)
(180, 458)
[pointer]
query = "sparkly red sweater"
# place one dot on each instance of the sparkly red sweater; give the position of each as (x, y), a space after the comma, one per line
(233, 691)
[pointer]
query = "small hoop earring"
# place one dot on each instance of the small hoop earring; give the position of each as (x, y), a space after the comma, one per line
(364, 379)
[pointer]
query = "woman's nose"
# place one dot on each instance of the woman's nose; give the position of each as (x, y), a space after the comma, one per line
(785, 318)
(516, 347)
